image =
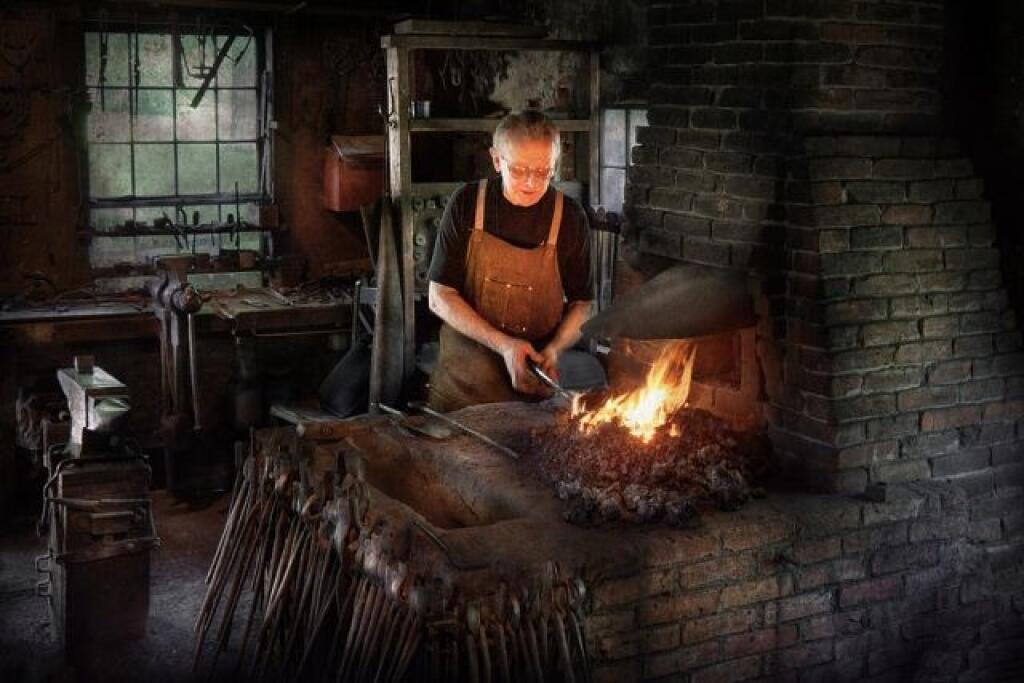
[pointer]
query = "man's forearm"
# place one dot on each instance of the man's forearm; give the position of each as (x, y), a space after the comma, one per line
(450, 307)
(568, 332)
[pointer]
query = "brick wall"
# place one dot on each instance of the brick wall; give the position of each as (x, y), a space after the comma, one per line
(735, 82)
(838, 65)
(811, 588)
(801, 142)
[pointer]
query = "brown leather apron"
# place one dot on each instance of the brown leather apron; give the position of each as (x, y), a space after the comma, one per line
(518, 291)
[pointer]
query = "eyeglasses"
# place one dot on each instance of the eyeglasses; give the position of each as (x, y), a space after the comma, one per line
(520, 173)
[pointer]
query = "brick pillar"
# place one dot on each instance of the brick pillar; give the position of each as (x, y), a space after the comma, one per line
(902, 356)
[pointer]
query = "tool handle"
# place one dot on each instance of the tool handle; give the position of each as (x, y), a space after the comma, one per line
(391, 411)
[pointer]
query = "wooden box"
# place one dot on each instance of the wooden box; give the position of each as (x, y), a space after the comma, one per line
(353, 171)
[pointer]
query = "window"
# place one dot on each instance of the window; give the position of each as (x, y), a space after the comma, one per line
(170, 139)
(618, 137)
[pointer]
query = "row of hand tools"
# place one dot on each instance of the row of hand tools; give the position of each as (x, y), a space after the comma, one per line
(318, 576)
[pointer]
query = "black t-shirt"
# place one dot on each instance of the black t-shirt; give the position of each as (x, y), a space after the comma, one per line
(521, 226)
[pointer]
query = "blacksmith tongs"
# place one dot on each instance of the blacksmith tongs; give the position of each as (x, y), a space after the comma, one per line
(547, 380)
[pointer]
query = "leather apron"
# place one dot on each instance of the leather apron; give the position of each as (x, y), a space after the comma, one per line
(517, 290)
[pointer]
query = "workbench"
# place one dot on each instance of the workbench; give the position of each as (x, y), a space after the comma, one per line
(253, 311)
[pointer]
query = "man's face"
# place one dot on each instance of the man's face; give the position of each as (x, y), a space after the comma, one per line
(526, 168)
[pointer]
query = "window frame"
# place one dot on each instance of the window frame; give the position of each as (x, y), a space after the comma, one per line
(635, 116)
(262, 87)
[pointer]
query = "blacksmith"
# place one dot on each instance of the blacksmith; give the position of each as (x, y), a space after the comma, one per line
(510, 275)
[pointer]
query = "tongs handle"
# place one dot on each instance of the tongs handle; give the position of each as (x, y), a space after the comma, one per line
(547, 380)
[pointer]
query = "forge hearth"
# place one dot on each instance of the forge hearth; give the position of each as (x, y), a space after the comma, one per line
(791, 585)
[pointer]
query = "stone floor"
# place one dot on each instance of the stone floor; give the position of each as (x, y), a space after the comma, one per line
(28, 651)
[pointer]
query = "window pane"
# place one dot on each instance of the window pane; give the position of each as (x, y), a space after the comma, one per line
(197, 169)
(157, 59)
(150, 214)
(208, 213)
(199, 123)
(613, 187)
(151, 247)
(110, 170)
(238, 163)
(637, 119)
(108, 219)
(154, 170)
(238, 69)
(110, 251)
(116, 69)
(249, 210)
(109, 117)
(198, 53)
(613, 137)
(250, 240)
(155, 118)
(237, 114)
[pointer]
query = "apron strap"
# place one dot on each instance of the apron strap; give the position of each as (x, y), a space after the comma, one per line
(481, 196)
(556, 219)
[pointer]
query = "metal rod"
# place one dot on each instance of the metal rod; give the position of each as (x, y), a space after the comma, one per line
(184, 199)
(300, 333)
(193, 368)
(472, 432)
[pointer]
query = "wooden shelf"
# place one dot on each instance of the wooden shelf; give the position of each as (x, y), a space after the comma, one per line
(187, 231)
(486, 125)
(465, 42)
(477, 28)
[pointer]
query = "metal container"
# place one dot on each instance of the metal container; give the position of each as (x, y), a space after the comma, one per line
(101, 534)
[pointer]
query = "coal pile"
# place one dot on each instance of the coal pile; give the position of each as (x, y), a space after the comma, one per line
(693, 462)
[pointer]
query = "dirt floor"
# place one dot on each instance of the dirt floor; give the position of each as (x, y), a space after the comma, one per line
(29, 652)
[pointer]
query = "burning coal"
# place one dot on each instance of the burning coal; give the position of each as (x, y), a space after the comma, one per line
(645, 456)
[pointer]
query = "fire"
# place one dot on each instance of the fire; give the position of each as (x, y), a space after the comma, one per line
(643, 411)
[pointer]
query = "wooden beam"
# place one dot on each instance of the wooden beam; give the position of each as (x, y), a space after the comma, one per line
(486, 125)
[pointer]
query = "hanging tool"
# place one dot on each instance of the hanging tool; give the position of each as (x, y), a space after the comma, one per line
(104, 56)
(236, 230)
(472, 432)
(212, 73)
(193, 367)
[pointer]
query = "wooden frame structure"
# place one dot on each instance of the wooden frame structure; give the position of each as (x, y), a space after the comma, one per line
(399, 46)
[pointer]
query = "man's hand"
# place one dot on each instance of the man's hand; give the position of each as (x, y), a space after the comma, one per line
(515, 352)
(550, 363)
(567, 334)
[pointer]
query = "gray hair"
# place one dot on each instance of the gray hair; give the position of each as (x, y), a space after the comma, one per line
(529, 124)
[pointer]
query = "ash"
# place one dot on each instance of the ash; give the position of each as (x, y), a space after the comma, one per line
(608, 474)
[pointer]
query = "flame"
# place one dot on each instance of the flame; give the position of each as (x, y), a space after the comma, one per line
(643, 411)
